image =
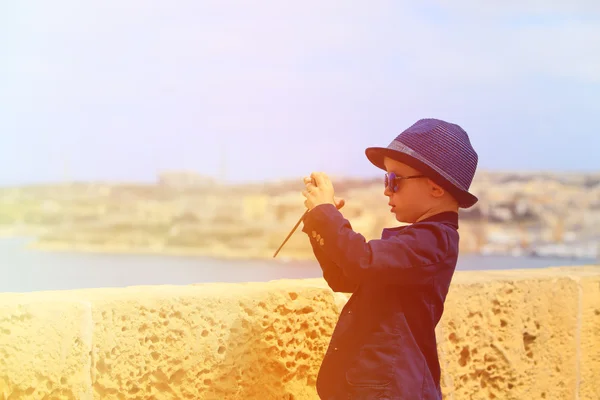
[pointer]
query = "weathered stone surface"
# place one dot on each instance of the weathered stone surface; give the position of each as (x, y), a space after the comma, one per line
(224, 341)
(510, 335)
(528, 334)
(589, 350)
(45, 349)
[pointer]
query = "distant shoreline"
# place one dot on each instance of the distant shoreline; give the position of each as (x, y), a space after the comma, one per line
(219, 253)
(229, 254)
(215, 252)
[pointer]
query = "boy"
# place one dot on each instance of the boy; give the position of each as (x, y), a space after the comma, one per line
(384, 344)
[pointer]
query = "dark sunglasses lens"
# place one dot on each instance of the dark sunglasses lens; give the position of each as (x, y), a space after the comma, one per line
(390, 181)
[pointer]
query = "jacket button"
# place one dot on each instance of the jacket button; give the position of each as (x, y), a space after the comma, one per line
(335, 348)
(314, 234)
(321, 242)
(318, 237)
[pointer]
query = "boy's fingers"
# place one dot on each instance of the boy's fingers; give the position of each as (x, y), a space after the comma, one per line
(339, 203)
(319, 178)
(326, 179)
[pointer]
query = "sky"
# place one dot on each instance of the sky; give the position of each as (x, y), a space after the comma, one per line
(260, 90)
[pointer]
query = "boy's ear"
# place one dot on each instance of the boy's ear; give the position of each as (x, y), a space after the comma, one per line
(436, 190)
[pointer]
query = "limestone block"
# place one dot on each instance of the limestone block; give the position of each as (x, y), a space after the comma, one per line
(588, 328)
(589, 388)
(340, 299)
(45, 349)
(528, 334)
(212, 341)
(509, 335)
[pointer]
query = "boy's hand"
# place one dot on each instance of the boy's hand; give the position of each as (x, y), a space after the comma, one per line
(321, 193)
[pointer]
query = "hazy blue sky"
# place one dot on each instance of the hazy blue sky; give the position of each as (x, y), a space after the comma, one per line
(119, 90)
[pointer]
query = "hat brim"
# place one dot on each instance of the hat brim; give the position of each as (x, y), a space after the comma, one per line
(376, 156)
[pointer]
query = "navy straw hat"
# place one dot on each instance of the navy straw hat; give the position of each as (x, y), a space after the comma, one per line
(438, 149)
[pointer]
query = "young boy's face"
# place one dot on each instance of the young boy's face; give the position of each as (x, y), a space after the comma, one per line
(413, 197)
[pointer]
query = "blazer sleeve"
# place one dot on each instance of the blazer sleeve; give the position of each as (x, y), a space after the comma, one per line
(332, 273)
(413, 256)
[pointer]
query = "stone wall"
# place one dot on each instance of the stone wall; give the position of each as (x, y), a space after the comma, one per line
(526, 334)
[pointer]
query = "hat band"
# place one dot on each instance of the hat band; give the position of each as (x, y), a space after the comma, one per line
(399, 146)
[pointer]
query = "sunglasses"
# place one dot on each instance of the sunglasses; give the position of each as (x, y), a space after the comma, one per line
(391, 180)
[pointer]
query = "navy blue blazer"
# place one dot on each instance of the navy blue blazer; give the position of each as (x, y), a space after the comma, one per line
(384, 344)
